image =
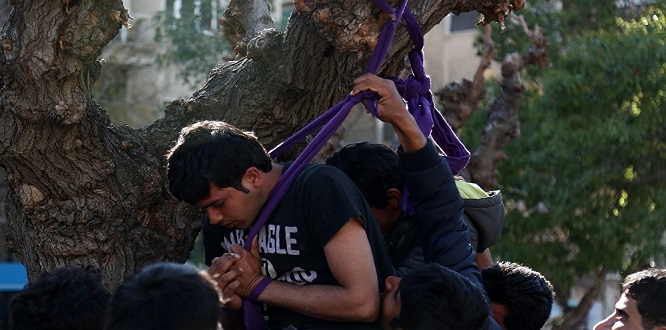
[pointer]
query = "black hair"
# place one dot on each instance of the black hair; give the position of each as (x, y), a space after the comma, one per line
(648, 288)
(435, 297)
(374, 169)
(212, 152)
(69, 297)
(165, 296)
(527, 295)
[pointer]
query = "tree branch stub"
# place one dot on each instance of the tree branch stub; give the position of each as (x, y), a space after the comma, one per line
(253, 26)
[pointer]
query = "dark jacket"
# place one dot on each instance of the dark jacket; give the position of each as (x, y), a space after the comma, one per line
(439, 213)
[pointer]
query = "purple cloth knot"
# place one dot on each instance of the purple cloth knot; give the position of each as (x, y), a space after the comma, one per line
(408, 88)
(419, 107)
(413, 88)
(426, 84)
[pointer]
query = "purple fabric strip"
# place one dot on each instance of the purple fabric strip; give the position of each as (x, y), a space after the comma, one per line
(252, 316)
(303, 132)
(254, 295)
(302, 160)
(386, 36)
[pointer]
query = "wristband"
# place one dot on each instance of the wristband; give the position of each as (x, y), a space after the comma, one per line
(254, 295)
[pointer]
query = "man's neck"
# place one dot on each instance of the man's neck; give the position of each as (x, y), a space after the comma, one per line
(273, 176)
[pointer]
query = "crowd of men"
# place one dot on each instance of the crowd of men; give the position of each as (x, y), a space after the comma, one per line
(378, 238)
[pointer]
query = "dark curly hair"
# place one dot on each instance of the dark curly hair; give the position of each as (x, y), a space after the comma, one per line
(212, 152)
(648, 288)
(374, 169)
(69, 297)
(527, 295)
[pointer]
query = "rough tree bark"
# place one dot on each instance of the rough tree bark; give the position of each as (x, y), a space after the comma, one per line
(85, 191)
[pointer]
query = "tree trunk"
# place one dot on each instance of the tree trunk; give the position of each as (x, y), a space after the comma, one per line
(502, 123)
(573, 317)
(85, 191)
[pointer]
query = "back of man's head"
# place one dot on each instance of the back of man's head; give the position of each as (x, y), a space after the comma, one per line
(69, 297)
(165, 296)
(374, 169)
(435, 297)
(212, 152)
(648, 288)
(525, 293)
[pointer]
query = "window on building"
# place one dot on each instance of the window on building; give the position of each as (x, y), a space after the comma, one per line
(202, 13)
(287, 9)
(464, 22)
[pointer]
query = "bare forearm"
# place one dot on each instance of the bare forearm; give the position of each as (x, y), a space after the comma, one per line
(328, 302)
(484, 260)
(408, 132)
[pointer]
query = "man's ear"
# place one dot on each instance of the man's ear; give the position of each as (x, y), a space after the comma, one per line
(394, 196)
(252, 177)
(392, 283)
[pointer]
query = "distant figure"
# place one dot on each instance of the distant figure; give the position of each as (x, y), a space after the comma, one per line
(642, 305)
(68, 298)
(165, 296)
(521, 298)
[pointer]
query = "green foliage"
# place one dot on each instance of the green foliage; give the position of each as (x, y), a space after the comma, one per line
(585, 180)
(196, 43)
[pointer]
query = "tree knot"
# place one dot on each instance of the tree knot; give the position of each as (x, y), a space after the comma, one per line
(259, 43)
(68, 114)
(29, 195)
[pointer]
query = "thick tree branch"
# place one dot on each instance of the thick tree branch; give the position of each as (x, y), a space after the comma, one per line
(492, 11)
(502, 123)
(84, 191)
(351, 26)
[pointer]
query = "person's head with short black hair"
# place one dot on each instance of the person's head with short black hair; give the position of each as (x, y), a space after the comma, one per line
(165, 296)
(69, 297)
(648, 288)
(374, 169)
(212, 152)
(434, 297)
(522, 298)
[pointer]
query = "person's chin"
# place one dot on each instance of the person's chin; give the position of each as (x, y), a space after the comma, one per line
(240, 225)
(231, 225)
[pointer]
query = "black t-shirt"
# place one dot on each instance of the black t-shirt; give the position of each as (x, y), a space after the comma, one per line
(291, 243)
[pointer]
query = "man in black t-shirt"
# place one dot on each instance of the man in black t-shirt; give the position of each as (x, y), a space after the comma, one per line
(322, 255)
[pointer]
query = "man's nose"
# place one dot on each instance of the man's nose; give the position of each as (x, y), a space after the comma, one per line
(605, 324)
(214, 217)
